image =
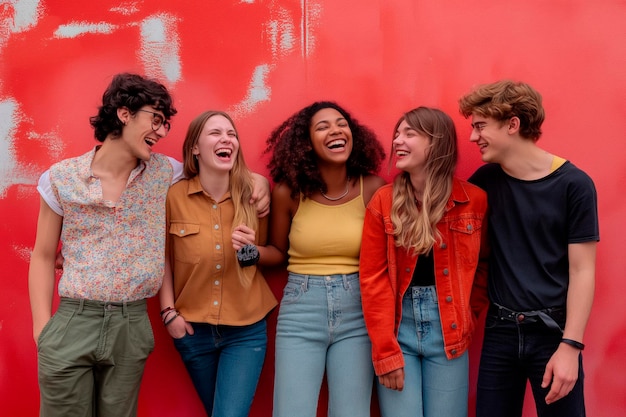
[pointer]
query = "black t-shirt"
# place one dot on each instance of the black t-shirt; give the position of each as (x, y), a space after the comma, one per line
(531, 224)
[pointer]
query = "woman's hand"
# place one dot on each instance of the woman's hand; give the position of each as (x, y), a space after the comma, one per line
(179, 327)
(393, 380)
(242, 235)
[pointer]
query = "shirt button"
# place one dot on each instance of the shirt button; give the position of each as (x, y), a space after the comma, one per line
(218, 247)
(453, 325)
(182, 231)
(445, 271)
(443, 246)
(453, 351)
(469, 227)
(449, 298)
(217, 226)
(408, 269)
(214, 206)
(215, 302)
(218, 266)
(217, 282)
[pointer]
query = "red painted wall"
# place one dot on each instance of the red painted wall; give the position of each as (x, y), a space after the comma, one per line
(262, 60)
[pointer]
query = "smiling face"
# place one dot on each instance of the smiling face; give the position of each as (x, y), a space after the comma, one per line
(217, 146)
(331, 136)
(410, 148)
(491, 136)
(138, 132)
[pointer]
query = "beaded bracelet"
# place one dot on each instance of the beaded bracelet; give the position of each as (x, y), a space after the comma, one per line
(168, 314)
(165, 323)
(573, 343)
(166, 309)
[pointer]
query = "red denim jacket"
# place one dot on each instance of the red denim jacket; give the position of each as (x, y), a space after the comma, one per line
(460, 273)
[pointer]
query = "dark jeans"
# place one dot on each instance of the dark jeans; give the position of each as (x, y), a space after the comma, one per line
(224, 363)
(514, 353)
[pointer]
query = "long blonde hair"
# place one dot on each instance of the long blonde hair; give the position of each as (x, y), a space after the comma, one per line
(241, 183)
(415, 227)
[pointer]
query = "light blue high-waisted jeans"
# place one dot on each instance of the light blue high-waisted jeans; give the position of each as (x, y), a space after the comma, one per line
(433, 385)
(321, 328)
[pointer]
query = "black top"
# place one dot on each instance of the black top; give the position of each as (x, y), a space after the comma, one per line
(531, 224)
(424, 272)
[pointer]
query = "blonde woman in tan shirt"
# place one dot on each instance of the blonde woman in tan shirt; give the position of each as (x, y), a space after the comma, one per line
(214, 299)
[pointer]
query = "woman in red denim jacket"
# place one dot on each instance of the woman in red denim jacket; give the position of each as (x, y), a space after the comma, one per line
(423, 272)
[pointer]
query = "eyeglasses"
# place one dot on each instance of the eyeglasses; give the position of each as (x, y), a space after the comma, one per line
(157, 121)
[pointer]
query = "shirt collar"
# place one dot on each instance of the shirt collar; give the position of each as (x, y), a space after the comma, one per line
(86, 160)
(195, 187)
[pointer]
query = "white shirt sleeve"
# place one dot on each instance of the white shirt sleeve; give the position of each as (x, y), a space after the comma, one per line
(178, 170)
(45, 190)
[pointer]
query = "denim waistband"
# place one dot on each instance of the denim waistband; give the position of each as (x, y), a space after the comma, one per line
(418, 290)
(324, 280)
(104, 306)
(546, 316)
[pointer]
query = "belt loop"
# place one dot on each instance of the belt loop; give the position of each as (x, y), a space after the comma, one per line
(344, 278)
(81, 305)
(124, 309)
(305, 283)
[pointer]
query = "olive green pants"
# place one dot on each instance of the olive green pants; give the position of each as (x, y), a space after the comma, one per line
(91, 357)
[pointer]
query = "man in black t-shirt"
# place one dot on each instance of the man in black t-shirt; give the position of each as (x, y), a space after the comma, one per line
(543, 229)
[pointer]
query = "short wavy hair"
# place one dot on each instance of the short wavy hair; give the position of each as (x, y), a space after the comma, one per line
(293, 161)
(133, 92)
(505, 99)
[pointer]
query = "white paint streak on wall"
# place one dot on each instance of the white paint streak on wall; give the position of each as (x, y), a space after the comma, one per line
(258, 92)
(22, 252)
(311, 13)
(17, 16)
(280, 30)
(54, 145)
(8, 123)
(75, 29)
(125, 8)
(27, 12)
(160, 47)
(10, 173)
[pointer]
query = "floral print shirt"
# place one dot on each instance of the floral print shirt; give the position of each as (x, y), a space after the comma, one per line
(113, 251)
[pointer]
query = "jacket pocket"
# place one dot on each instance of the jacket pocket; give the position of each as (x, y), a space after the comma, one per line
(466, 235)
(185, 242)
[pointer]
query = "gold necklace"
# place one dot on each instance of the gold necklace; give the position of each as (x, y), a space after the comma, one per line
(345, 193)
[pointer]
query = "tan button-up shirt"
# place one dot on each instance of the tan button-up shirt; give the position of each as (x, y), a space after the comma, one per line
(207, 287)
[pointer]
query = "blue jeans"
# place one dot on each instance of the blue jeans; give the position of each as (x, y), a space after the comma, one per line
(433, 385)
(224, 363)
(321, 327)
(514, 353)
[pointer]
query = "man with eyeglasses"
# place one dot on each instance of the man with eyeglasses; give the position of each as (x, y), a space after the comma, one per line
(108, 209)
(543, 233)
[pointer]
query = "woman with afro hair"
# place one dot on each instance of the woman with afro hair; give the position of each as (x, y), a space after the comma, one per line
(323, 163)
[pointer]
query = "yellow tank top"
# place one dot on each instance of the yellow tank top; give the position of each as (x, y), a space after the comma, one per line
(326, 240)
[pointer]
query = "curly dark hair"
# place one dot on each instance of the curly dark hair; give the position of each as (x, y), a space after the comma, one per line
(294, 162)
(133, 92)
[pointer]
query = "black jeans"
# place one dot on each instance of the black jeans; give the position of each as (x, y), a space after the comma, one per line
(516, 352)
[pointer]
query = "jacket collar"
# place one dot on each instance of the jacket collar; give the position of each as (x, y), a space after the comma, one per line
(459, 195)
